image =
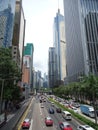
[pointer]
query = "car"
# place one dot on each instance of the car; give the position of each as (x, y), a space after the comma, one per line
(66, 115)
(17, 106)
(84, 127)
(26, 124)
(48, 121)
(40, 101)
(58, 110)
(65, 126)
(42, 106)
(77, 105)
(52, 104)
(51, 110)
(75, 110)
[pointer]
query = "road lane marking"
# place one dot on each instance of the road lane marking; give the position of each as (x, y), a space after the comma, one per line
(31, 124)
(25, 114)
(40, 109)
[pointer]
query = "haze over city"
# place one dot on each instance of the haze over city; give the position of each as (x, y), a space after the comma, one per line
(38, 36)
(39, 15)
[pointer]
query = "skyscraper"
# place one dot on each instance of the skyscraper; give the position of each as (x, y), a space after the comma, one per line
(81, 37)
(7, 9)
(51, 67)
(12, 28)
(28, 55)
(60, 46)
(18, 33)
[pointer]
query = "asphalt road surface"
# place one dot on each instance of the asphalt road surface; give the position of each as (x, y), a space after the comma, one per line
(37, 115)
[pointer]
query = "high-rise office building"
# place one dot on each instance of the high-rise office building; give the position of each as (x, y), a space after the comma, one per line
(7, 12)
(51, 67)
(12, 28)
(18, 33)
(60, 46)
(28, 53)
(81, 27)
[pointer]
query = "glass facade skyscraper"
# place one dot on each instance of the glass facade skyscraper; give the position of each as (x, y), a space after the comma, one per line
(89, 12)
(51, 67)
(7, 8)
(4, 5)
(81, 26)
(60, 46)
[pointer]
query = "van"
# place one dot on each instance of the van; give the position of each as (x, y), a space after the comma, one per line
(66, 115)
(84, 127)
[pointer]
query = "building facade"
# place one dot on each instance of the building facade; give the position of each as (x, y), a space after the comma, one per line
(45, 85)
(7, 13)
(60, 46)
(28, 55)
(81, 37)
(12, 28)
(18, 34)
(34, 79)
(51, 67)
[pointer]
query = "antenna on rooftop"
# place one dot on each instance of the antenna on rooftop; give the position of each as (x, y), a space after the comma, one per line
(9, 3)
(58, 7)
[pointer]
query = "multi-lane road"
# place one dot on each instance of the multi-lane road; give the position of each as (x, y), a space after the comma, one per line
(37, 115)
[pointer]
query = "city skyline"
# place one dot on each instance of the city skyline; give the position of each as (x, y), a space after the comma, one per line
(39, 28)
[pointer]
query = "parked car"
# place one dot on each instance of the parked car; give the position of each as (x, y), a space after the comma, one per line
(84, 127)
(65, 126)
(51, 110)
(58, 110)
(26, 124)
(48, 121)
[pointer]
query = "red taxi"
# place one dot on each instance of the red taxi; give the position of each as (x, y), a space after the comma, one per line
(48, 121)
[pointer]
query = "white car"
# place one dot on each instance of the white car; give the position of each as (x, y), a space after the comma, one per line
(75, 109)
(42, 105)
(85, 127)
(52, 103)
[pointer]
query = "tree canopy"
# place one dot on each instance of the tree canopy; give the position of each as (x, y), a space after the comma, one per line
(9, 73)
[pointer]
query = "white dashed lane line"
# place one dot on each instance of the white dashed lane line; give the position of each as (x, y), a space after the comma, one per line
(31, 125)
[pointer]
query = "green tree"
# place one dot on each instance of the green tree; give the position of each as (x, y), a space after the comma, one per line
(9, 73)
(91, 90)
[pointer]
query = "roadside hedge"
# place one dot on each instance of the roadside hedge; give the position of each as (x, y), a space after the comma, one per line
(77, 116)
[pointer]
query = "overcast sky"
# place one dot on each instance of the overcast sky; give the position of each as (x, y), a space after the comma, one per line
(39, 15)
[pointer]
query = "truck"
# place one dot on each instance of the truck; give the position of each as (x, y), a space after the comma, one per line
(87, 110)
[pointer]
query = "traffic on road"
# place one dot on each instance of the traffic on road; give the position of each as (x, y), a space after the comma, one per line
(45, 115)
(41, 113)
